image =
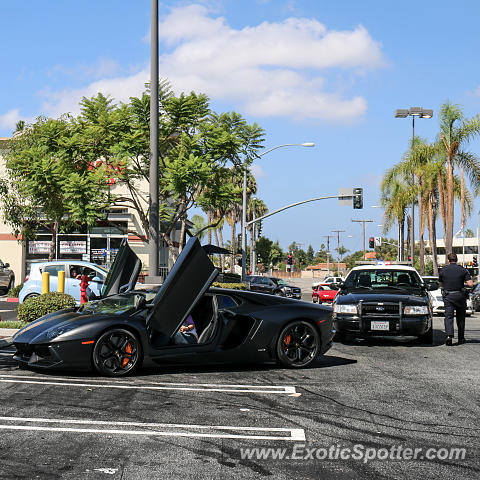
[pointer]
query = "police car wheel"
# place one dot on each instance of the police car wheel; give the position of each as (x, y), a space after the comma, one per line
(427, 337)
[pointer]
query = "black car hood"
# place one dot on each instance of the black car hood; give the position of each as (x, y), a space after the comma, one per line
(187, 281)
(36, 330)
(123, 273)
(354, 298)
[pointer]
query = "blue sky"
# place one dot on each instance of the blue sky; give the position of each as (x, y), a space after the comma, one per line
(305, 70)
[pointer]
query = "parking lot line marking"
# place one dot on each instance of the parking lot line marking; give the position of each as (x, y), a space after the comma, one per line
(200, 387)
(165, 429)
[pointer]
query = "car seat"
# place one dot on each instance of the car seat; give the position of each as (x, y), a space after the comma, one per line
(404, 278)
(364, 281)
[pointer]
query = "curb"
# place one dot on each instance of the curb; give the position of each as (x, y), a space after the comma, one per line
(12, 300)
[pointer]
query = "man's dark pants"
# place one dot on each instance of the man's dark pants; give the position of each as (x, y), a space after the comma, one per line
(455, 303)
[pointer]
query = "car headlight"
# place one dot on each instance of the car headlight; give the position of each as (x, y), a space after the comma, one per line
(56, 331)
(417, 310)
(345, 309)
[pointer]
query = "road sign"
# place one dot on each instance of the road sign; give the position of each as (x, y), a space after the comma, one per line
(378, 241)
(347, 202)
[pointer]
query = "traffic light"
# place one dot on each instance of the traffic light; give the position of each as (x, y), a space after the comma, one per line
(289, 259)
(371, 242)
(475, 261)
(259, 258)
(357, 198)
(239, 243)
(259, 229)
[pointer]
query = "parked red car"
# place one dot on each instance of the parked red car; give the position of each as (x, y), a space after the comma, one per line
(323, 293)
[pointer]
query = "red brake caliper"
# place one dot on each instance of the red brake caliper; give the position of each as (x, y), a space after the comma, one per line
(286, 341)
(128, 349)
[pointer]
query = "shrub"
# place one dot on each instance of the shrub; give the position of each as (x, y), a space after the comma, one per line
(235, 286)
(12, 324)
(13, 292)
(37, 307)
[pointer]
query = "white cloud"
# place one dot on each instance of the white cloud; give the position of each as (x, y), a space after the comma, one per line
(9, 119)
(271, 69)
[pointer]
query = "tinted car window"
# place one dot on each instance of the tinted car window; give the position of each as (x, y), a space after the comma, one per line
(225, 301)
(383, 279)
(54, 269)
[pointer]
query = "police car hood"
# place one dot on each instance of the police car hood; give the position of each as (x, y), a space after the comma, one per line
(406, 297)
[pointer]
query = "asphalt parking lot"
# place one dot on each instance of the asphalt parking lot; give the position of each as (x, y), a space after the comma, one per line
(196, 421)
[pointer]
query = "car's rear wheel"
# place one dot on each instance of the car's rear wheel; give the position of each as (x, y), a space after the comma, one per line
(32, 295)
(298, 344)
(11, 284)
(117, 352)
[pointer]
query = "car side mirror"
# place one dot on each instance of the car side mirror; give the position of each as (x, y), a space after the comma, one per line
(433, 286)
(338, 285)
(6, 265)
(97, 279)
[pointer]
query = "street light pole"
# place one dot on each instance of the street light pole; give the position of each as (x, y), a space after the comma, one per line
(421, 113)
(328, 237)
(364, 222)
(244, 201)
(338, 248)
(153, 230)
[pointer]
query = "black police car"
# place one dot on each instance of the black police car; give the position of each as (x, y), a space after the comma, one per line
(384, 300)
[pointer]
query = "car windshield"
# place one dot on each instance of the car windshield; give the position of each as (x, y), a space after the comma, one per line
(281, 282)
(116, 304)
(383, 279)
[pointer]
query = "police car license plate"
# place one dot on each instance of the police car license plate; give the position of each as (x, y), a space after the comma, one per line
(380, 326)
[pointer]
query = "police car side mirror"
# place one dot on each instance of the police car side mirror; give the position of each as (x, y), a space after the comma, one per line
(433, 286)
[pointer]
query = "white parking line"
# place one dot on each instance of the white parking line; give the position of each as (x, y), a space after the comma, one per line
(199, 387)
(159, 429)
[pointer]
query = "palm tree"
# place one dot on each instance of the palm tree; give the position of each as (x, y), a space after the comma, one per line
(455, 131)
(256, 208)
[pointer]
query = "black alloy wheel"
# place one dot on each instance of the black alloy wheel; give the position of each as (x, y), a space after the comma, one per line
(117, 352)
(298, 344)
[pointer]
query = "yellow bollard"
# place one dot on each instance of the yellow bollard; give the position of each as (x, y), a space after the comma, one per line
(61, 282)
(45, 282)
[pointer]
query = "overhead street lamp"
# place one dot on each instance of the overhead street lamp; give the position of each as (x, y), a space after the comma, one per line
(420, 113)
(244, 201)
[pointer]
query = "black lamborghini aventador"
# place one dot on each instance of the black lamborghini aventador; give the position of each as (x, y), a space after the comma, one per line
(127, 328)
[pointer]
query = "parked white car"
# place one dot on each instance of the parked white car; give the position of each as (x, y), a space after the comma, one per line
(438, 308)
(328, 280)
(73, 269)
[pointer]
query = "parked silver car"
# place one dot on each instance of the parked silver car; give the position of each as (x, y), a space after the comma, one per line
(7, 277)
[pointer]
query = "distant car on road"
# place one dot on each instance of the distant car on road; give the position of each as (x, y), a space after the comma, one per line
(475, 296)
(273, 286)
(324, 293)
(7, 277)
(328, 280)
(73, 269)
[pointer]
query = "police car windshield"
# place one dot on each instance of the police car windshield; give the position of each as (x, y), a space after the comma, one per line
(402, 281)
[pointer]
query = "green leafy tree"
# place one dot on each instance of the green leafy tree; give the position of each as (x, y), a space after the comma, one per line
(49, 183)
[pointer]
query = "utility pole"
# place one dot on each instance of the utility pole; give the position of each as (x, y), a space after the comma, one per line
(153, 231)
(364, 222)
(338, 232)
(328, 237)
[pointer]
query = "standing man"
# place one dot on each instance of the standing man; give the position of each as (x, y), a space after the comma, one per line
(452, 282)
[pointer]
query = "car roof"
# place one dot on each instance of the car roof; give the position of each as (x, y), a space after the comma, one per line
(391, 266)
(61, 262)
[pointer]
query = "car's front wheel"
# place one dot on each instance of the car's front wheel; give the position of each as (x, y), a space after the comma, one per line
(427, 337)
(298, 344)
(117, 352)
